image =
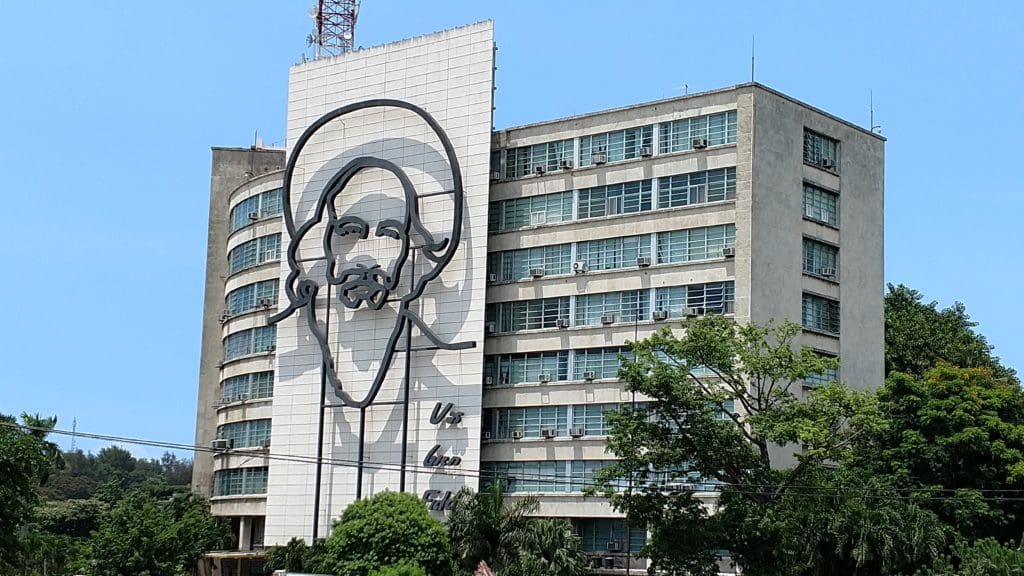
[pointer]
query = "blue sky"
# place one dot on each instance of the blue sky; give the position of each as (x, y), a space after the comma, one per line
(108, 114)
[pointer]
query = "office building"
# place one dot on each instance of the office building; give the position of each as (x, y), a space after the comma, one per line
(514, 267)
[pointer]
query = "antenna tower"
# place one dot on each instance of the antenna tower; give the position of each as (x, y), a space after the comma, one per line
(334, 28)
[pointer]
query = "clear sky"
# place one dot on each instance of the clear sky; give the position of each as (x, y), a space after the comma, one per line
(108, 111)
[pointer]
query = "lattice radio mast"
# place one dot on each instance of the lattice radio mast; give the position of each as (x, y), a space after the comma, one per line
(334, 28)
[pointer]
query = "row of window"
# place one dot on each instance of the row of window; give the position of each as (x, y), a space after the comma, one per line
(239, 481)
(252, 296)
(617, 145)
(604, 534)
(246, 434)
(573, 476)
(254, 252)
(532, 367)
(675, 247)
(251, 341)
(609, 307)
(624, 198)
(256, 207)
(251, 386)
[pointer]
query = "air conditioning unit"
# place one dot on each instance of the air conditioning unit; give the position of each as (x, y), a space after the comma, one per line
(659, 315)
(643, 261)
(646, 152)
(241, 397)
(691, 312)
(492, 278)
(608, 561)
(265, 444)
(827, 163)
(576, 431)
(537, 272)
(678, 487)
(265, 302)
(580, 267)
(488, 380)
(729, 252)
(812, 211)
(539, 217)
(827, 271)
(225, 316)
(607, 318)
(538, 170)
(517, 434)
(565, 164)
(485, 435)
(254, 215)
(599, 158)
(495, 176)
(544, 378)
(270, 348)
(589, 375)
(222, 444)
(614, 546)
(825, 215)
(549, 433)
(700, 143)
(490, 328)
(562, 323)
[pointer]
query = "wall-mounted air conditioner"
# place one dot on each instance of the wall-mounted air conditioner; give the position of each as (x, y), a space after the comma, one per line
(536, 272)
(576, 431)
(562, 323)
(827, 271)
(517, 434)
(254, 215)
(607, 319)
(729, 252)
(700, 143)
(589, 375)
(614, 546)
(485, 435)
(643, 261)
(565, 164)
(549, 433)
(538, 170)
(490, 328)
(599, 158)
(580, 267)
(222, 444)
(544, 378)
(646, 152)
(492, 278)
(659, 315)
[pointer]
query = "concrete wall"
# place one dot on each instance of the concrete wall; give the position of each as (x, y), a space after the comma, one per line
(231, 169)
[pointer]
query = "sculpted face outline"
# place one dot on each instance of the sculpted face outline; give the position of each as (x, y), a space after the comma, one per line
(370, 284)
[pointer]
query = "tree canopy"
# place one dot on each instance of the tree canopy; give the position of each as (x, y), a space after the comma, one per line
(26, 460)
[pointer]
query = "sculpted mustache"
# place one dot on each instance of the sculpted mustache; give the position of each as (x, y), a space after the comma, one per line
(373, 275)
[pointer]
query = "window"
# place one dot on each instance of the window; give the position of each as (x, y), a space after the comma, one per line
(618, 145)
(603, 362)
(256, 207)
(697, 188)
(829, 375)
(529, 211)
(517, 264)
(527, 314)
(613, 253)
(695, 243)
(251, 341)
(821, 151)
(549, 156)
(628, 306)
(252, 296)
(596, 533)
(530, 421)
(714, 297)
(821, 259)
(821, 205)
(247, 387)
(237, 481)
(591, 417)
(615, 199)
(514, 369)
(247, 433)
(254, 253)
(820, 314)
(678, 136)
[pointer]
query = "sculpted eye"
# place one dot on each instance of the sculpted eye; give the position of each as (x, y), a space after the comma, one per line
(388, 229)
(346, 228)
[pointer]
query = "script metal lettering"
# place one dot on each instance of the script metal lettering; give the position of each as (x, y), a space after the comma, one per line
(435, 460)
(444, 413)
(438, 501)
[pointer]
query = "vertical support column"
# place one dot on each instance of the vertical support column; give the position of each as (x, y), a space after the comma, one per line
(244, 533)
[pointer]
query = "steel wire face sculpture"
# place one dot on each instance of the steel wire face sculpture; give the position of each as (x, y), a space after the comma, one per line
(359, 285)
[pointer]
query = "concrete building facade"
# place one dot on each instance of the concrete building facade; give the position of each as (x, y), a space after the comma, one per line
(579, 235)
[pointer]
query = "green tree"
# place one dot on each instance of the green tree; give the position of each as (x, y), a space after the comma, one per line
(384, 530)
(738, 429)
(486, 526)
(957, 434)
(140, 535)
(918, 336)
(26, 461)
(295, 556)
(984, 557)
(400, 569)
(550, 548)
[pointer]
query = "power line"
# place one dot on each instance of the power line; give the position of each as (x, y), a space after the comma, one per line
(753, 489)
